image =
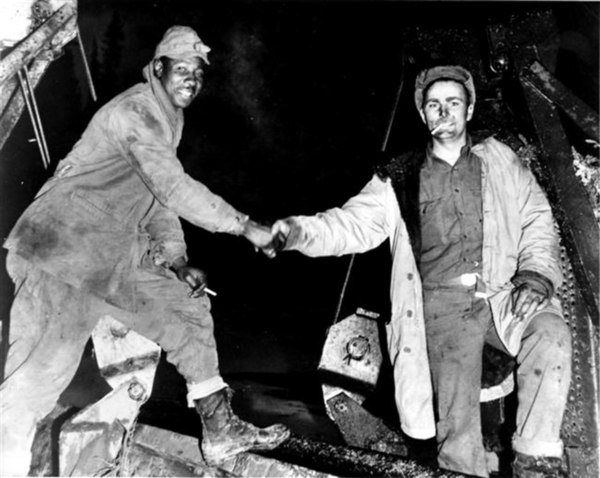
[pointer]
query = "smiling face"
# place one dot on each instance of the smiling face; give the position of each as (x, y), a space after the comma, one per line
(181, 79)
(446, 110)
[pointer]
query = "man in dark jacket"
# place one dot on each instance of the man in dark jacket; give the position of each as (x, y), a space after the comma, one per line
(103, 237)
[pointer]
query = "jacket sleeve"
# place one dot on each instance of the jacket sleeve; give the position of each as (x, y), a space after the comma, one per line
(361, 224)
(167, 242)
(539, 247)
(143, 140)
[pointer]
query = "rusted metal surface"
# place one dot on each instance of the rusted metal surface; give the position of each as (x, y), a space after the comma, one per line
(123, 354)
(523, 30)
(351, 358)
(352, 352)
(291, 459)
(172, 453)
(15, 102)
(252, 465)
(580, 113)
(361, 429)
(349, 369)
(352, 461)
(570, 202)
(91, 442)
(157, 452)
(11, 100)
(43, 456)
(580, 428)
(7, 91)
(29, 48)
(144, 461)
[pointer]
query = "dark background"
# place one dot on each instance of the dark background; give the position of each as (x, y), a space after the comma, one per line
(291, 120)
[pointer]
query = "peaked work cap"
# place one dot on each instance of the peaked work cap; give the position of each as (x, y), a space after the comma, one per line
(180, 42)
(448, 72)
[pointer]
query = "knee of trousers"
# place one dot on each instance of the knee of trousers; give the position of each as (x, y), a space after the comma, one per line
(552, 334)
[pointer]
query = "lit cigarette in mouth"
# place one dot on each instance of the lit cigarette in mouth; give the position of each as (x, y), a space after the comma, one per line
(210, 292)
(435, 130)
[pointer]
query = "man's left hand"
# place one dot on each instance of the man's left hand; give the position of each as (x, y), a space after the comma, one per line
(526, 300)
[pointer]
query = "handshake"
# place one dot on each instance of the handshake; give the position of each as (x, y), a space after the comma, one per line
(270, 240)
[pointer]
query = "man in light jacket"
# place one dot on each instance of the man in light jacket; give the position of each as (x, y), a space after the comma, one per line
(103, 237)
(483, 238)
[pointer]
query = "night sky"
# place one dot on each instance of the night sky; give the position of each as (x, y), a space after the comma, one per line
(291, 120)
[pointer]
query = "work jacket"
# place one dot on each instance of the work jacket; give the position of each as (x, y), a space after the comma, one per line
(117, 197)
(518, 234)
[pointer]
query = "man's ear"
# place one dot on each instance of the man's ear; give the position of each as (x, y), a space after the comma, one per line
(158, 68)
(422, 114)
(470, 111)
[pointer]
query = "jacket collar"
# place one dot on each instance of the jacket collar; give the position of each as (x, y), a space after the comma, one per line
(174, 115)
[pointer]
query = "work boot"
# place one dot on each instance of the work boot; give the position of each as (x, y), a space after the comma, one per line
(224, 434)
(527, 466)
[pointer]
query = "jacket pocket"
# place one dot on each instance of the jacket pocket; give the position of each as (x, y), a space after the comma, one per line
(97, 206)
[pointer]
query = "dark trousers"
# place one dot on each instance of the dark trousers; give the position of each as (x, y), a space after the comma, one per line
(457, 325)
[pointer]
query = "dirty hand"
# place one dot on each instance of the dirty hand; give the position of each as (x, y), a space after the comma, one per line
(280, 231)
(193, 276)
(526, 300)
(260, 236)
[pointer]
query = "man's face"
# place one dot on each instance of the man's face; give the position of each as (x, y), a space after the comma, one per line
(181, 79)
(446, 105)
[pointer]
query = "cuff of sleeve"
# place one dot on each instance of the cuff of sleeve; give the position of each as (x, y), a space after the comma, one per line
(536, 281)
(294, 236)
(165, 254)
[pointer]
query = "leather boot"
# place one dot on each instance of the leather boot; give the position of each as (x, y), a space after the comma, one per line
(224, 434)
(527, 466)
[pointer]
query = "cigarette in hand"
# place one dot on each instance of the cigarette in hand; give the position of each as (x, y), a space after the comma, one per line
(205, 291)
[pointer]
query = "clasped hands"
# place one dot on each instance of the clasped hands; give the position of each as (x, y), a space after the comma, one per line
(269, 240)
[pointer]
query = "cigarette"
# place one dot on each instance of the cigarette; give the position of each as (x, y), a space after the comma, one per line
(434, 130)
(210, 292)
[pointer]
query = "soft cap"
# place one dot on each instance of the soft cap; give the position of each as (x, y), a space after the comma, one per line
(447, 72)
(181, 42)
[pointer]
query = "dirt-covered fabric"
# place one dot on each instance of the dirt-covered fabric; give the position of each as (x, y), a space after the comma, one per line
(118, 195)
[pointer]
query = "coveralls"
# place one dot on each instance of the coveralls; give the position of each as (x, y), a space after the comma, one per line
(458, 320)
(518, 234)
(97, 240)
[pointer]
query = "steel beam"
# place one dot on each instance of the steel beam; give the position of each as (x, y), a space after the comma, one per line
(11, 101)
(28, 49)
(581, 114)
(570, 201)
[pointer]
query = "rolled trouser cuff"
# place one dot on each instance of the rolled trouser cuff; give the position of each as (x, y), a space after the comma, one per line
(203, 389)
(531, 447)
